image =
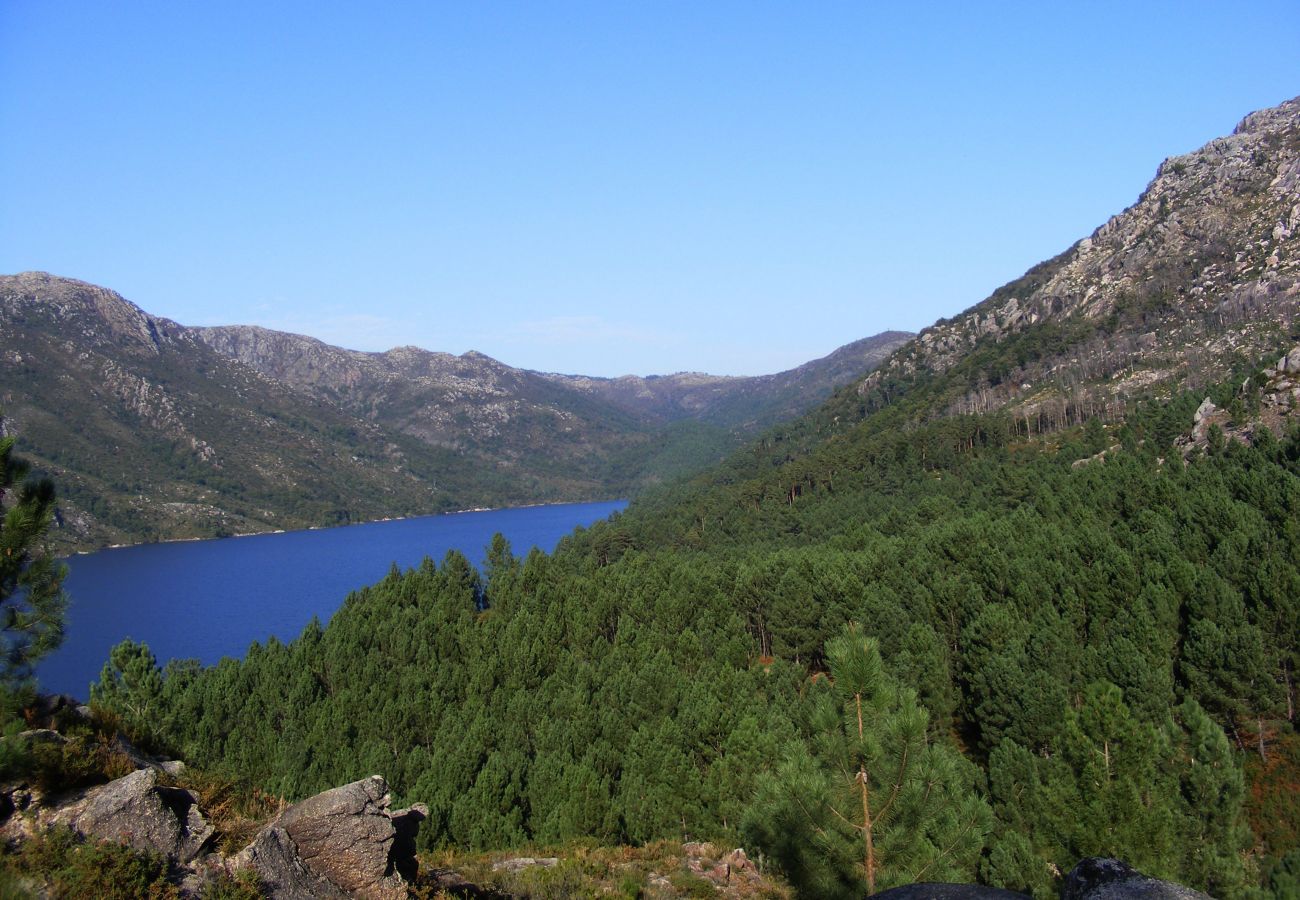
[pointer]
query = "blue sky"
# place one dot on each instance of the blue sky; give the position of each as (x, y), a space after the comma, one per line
(603, 187)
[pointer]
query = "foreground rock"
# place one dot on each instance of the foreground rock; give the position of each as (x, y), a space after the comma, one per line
(344, 842)
(137, 811)
(1099, 878)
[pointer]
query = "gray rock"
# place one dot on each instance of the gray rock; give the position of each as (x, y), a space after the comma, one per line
(135, 810)
(138, 758)
(282, 873)
(340, 843)
(1099, 878)
(518, 863)
(1206, 408)
(1290, 362)
(39, 736)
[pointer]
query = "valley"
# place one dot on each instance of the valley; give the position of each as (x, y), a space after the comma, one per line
(156, 431)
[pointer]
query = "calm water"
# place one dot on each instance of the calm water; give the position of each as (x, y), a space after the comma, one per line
(209, 599)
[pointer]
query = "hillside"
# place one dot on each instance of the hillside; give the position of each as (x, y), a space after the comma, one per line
(1197, 278)
(155, 430)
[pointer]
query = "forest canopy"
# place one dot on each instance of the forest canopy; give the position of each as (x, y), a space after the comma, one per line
(1090, 655)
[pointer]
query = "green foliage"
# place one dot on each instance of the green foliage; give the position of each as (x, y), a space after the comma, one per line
(59, 863)
(31, 596)
(1102, 644)
(870, 801)
(130, 687)
(1166, 799)
(70, 867)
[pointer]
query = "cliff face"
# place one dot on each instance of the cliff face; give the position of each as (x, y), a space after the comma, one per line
(1198, 275)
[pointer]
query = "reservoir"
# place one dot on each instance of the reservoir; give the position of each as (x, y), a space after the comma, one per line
(209, 599)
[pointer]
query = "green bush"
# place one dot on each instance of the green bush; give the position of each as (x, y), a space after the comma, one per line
(67, 866)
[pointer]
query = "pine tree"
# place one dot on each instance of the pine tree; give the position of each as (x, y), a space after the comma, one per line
(31, 597)
(871, 800)
(131, 686)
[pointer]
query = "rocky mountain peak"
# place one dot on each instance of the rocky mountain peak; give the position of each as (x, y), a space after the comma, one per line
(1275, 118)
(90, 312)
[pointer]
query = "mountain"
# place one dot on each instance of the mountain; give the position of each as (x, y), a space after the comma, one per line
(1196, 279)
(748, 402)
(470, 403)
(154, 430)
(1192, 291)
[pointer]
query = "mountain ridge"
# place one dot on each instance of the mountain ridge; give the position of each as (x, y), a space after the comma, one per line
(1199, 270)
(159, 430)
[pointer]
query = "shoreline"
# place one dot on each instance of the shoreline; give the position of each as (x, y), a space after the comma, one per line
(245, 534)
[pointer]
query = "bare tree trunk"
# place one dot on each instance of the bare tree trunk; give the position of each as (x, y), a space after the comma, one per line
(869, 861)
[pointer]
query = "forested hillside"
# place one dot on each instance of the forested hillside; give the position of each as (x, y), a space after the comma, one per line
(640, 683)
(892, 641)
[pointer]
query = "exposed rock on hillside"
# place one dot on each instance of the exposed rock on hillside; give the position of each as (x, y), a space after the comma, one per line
(341, 843)
(137, 811)
(461, 402)
(1269, 400)
(1201, 273)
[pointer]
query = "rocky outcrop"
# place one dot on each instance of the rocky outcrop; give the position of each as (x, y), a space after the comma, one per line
(344, 842)
(1099, 878)
(731, 872)
(1268, 400)
(281, 872)
(137, 811)
(516, 863)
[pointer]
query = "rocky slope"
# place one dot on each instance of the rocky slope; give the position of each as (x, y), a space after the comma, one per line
(1198, 277)
(154, 430)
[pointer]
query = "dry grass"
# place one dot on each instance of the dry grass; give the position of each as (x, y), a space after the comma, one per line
(660, 870)
(236, 810)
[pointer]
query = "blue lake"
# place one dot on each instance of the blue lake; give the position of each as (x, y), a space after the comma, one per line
(209, 599)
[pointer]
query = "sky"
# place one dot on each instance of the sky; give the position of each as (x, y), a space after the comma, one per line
(601, 188)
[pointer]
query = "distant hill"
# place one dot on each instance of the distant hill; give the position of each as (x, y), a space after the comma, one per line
(748, 402)
(154, 430)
